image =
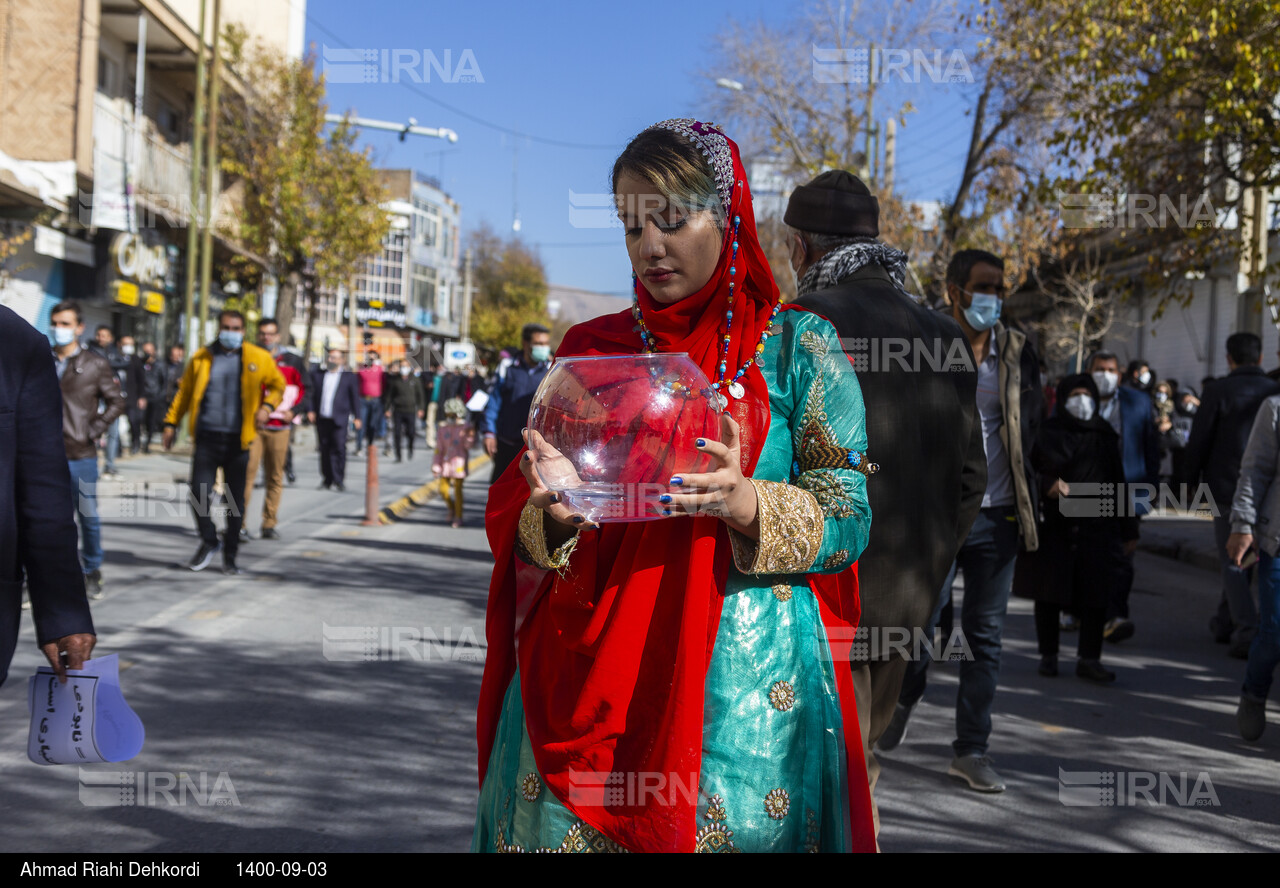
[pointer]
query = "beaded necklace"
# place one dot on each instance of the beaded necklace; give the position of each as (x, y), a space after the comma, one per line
(733, 386)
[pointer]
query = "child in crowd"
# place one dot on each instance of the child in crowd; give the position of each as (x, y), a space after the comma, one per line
(454, 439)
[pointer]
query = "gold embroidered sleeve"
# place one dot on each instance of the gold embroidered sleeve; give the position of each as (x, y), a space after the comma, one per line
(531, 542)
(791, 528)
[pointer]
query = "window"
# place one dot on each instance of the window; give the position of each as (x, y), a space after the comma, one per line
(108, 76)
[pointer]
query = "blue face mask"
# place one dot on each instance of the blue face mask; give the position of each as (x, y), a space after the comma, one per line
(230, 340)
(983, 312)
(63, 335)
(540, 353)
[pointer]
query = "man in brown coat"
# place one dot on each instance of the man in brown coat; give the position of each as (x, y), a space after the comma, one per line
(86, 380)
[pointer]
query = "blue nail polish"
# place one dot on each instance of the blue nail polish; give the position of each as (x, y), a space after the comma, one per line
(554, 498)
(702, 442)
(666, 512)
(664, 498)
(677, 481)
(577, 519)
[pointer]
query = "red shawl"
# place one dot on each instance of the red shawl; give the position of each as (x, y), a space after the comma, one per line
(613, 656)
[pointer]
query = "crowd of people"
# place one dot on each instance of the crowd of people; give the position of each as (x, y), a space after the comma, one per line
(684, 648)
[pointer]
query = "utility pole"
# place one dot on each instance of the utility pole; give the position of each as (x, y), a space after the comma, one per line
(464, 325)
(890, 152)
(870, 146)
(190, 337)
(135, 152)
(211, 170)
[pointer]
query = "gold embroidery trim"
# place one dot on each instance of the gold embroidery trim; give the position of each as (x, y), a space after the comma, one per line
(530, 787)
(791, 528)
(782, 591)
(835, 559)
(531, 542)
(830, 493)
(715, 837)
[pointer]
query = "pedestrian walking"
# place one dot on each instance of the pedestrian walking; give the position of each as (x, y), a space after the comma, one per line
(37, 499)
(228, 392)
(335, 394)
(155, 402)
(685, 647)
(1219, 432)
(511, 396)
(454, 440)
(372, 383)
(132, 382)
(923, 412)
(1009, 409)
(1076, 565)
(270, 447)
(270, 338)
(405, 403)
(1138, 375)
(1129, 412)
(85, 380)
(1255, 522)
(104, 345)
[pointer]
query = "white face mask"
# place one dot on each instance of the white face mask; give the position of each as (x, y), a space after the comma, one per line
(1106, 381)
(1081, 407)
(1145, 377)
(126, 350)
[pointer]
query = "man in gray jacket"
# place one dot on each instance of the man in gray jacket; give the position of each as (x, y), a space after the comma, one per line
(1255, 520)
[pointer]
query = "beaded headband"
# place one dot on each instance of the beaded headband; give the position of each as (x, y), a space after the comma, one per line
(714, 145)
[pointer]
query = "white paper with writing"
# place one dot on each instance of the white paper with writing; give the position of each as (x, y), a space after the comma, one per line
(85, 720)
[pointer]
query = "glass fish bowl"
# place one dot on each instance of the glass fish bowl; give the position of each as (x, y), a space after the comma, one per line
(620, 427)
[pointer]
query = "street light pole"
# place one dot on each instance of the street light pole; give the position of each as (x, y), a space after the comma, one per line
(190, 338)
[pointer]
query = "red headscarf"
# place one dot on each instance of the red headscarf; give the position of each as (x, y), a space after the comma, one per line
(613, 655)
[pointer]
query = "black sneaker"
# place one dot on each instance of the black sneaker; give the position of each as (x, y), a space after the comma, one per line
(1118, 629)
(245, 536)
(290, 477)
(204, 556)
(93, 585)
(229, 564)
(269, 533)
(1049, 665)
(339, 487)
(1093, 670)
(1251, 717)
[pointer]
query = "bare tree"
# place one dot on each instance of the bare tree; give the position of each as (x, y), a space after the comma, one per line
(1084, 309)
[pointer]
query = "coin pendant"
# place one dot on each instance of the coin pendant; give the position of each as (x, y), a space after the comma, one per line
(737, 390)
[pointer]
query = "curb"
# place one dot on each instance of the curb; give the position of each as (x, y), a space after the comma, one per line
(1193, 555)
(402, 507)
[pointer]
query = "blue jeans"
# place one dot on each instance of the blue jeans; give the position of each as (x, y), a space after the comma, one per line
(1264, 652)
(113, 446)
(84, 482)
(987, 559)
(374, 421)
(1236, 593)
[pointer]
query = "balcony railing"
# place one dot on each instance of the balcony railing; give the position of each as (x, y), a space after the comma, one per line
(162, 175)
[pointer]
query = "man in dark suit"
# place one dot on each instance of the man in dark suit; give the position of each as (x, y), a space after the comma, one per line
(1219, 433)
(1131, 414)
(922, 423)
(37, 531)
(335, 394)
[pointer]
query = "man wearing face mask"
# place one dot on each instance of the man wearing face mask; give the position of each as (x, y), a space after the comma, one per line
(1139, 376)
(404, 401)
(511, 396)
(924, 412)
(229, 390)
(271, 447)
(1219, 433)
(1010, 407)
(86, 380)
(1130, 414)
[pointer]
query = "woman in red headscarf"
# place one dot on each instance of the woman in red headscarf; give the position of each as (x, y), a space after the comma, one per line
(683, 684)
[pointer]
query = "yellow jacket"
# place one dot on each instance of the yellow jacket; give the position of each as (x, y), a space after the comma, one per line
(261, 385)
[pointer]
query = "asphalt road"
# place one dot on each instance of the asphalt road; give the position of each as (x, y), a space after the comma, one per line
(264, 678)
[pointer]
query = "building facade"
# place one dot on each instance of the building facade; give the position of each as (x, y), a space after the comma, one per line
(96, 107)
(408, 298)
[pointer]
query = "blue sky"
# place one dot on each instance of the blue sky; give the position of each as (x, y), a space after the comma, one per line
(580, 73)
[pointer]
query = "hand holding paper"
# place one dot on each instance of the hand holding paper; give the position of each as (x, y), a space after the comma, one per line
(83, 720)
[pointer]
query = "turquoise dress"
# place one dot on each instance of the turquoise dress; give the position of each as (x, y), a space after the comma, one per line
(773, 766)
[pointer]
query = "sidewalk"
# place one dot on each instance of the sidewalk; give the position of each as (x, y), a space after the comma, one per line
(1186, 538)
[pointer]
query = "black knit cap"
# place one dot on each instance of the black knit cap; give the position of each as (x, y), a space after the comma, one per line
(835, 202)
